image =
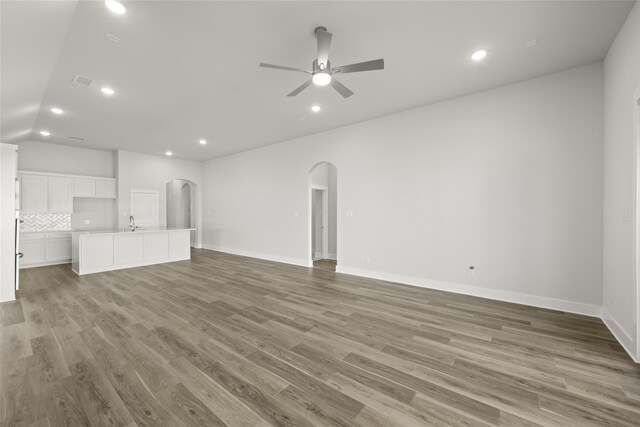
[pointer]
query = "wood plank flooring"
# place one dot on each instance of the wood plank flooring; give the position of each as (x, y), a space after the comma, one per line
(226, 340)
(325, 264)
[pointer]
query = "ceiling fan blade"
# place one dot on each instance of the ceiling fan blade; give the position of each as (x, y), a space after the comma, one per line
(376, 64)
(300, 88)
(342, 89)
(280, 67)
(324, 43)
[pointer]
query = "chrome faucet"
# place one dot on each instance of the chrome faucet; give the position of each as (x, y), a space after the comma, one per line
(132, 223)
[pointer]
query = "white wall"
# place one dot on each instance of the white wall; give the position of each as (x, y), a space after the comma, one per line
(621, 81)
(508, 180)
(147, 172)
(333, 212)
(55, 158)
(99, 213)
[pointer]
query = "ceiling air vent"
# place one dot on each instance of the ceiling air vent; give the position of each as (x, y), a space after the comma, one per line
(112, 38)
(77, 138)
(82, 81)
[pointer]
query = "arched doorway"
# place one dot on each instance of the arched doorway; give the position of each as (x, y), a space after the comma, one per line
(323, 183)
(181, 206)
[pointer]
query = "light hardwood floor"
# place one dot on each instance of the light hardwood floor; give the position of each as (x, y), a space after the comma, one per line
(226, 340)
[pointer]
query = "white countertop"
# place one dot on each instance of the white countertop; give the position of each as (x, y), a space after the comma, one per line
(45, 232)
(127, 230)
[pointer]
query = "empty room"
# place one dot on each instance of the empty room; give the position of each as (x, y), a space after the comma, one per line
(312, 213)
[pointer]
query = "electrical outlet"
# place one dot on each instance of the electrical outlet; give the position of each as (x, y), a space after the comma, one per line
(368, 260)
(87, 222)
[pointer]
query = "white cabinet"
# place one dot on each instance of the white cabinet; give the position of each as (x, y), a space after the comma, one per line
(84, 187)
(93, 252)
(45, 248)
(106, 188)
(56, 250)
(60, 194)
(32, 251)
(156, 246)
(97, 252)
(180, 244)
(33, 193)
(54, 193)
(128, 248)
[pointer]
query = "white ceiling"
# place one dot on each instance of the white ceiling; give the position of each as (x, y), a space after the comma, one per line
(189, 70)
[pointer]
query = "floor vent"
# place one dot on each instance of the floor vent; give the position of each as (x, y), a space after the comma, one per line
(82, 81)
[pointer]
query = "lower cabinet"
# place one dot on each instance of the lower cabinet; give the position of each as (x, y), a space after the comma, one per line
(32, 252)
(96, 252)
(57, 250)
(45, 249)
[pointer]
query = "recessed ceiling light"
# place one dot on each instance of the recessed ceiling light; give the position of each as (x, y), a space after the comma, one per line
(44, 133)
(107, 91)
(56, 110)
(315, 108)
(115, 7)
(479, 54)
(203, 142)
(321, 78)
(169, 153)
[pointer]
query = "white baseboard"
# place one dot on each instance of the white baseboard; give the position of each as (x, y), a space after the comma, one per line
(477, 291)
(260, 255)
(591, 310)
(45, 264)
(623, 337)
(125, 266)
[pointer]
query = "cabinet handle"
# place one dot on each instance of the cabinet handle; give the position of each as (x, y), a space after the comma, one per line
(20, 254)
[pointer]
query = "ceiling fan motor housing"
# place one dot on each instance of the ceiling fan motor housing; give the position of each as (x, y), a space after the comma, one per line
(316, 67)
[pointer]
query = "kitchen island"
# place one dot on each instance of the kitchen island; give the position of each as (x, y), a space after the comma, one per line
(106, 250)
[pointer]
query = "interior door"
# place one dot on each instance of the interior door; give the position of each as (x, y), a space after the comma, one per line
(144, 208)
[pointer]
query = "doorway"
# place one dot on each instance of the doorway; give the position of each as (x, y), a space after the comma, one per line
(319, 219)
(181, 206)
(322, 234)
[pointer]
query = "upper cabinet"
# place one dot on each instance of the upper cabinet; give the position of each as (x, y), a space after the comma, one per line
(33, 193)
(106, 188)
(60, 194)
(54, 193)
(84, 187)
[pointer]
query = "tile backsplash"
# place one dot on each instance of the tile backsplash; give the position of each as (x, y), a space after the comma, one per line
(34, 222)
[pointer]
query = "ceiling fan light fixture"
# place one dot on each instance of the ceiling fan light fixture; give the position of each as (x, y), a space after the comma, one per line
(321, 79)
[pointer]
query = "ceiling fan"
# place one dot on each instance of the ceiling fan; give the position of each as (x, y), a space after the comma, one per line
(322, 73)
